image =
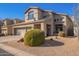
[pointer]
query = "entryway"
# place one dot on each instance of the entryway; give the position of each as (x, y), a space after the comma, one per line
(48, 26)
(58, 28)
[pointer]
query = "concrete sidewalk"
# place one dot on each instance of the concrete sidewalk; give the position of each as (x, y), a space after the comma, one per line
(14, 51)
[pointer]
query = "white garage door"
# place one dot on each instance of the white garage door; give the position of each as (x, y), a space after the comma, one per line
(4, 31)
(20, 32)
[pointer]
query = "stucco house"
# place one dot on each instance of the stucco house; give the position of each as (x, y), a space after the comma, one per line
(48, 21)
(7, 24)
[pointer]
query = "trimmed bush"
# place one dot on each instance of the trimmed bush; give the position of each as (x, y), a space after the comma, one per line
(62, 34)
(34, 37)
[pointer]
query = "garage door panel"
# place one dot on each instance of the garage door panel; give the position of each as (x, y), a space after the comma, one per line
(20, 32)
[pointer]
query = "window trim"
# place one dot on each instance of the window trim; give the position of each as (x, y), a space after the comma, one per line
(31, 15)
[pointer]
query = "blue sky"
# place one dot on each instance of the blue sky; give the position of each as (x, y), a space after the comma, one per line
(16, 10)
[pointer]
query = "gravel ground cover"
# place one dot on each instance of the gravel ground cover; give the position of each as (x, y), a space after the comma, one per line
(68, 46)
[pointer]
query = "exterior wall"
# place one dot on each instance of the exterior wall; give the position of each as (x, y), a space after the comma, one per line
(7, 30)
(10, 30)
(35, 15)
(22, 29)
(16, 21)
(75, 31)
(0, 25)
(48, 21)
(69, 25)
(64, 24)
(4, 30)
(7, 22)
(38, 15)
(75, 26)
(42, 26)
(57, 21)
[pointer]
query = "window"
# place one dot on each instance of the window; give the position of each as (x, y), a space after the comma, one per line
(31, 15)
(44, 15)
(55, 20)
(37, 26)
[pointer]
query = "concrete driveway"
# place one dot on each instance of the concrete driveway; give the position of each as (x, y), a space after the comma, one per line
(4, 52)
(62, 46)
(9, 38)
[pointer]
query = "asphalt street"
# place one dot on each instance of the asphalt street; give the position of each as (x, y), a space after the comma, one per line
(4, 53)
(4, 39)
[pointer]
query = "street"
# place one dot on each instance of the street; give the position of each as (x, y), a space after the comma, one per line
(4, 39)
(4, 53)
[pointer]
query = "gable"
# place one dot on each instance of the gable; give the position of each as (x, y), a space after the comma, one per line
(31, 9)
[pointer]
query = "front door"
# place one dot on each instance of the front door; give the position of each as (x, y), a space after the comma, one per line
(58, 28)
(48, 29)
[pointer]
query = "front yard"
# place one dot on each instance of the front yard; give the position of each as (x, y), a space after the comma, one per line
(56, 47)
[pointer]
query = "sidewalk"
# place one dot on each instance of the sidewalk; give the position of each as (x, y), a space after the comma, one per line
(14, 51)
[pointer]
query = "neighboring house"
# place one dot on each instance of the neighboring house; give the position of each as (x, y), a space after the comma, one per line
(7, 24)
(49, 22)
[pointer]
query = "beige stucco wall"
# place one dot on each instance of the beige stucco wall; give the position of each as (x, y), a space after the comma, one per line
(22, 26)
(10, 30)
(48, 20)
(6, 30)
(8, 22)
(67, 23)
(35, 15)
(64, 24)
(17, 21)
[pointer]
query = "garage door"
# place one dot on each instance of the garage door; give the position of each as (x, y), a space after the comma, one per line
(20, 31)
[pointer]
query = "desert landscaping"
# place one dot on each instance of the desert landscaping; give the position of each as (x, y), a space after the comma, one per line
(60, 46)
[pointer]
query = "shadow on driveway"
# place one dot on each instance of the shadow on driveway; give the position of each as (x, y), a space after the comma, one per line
(52, 43)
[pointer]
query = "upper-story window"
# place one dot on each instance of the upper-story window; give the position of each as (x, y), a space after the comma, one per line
(44, 14)
(57, 20)
(54, 20)
(31, 15)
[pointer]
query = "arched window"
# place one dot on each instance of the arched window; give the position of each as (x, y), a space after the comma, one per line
(31, 15)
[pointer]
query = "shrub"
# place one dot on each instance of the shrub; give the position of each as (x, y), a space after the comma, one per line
(62, 34)
(34, 37)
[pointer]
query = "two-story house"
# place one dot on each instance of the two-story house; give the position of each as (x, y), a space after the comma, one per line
(49, 22)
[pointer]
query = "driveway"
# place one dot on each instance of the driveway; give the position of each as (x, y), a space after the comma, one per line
(9, 38)
(6, 39)
(68, 46)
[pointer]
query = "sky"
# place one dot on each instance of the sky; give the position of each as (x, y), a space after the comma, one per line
(16, 10)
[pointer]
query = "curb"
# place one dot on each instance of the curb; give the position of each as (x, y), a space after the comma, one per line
(14, 51)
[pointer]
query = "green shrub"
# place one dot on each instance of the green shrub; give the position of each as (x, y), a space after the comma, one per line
(62, 34)
(34, 37)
